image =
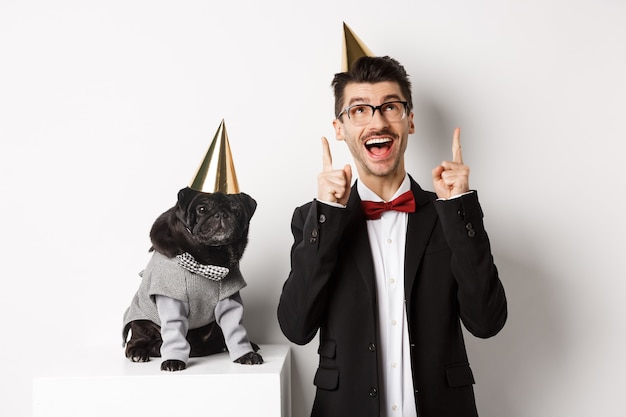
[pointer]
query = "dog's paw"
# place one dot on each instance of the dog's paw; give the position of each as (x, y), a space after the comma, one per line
(173, 365)
(250, 358)
(138, 355)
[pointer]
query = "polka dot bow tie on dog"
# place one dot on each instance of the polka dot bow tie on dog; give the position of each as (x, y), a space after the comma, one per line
(212, 272)
(374, 209)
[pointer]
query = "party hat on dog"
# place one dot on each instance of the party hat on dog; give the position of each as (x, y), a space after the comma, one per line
(216, 172)
(353, 49)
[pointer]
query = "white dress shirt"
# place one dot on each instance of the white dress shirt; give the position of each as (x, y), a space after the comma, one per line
(387, 237)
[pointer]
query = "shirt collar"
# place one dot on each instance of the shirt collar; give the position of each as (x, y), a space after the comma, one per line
(369, 195)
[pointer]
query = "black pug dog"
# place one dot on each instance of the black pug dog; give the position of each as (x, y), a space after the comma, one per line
(188, 303)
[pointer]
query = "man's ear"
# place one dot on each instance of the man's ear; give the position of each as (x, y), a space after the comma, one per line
(339, 134)
(411, 124)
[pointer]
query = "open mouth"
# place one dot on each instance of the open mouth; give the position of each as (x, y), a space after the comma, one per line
(379, 147)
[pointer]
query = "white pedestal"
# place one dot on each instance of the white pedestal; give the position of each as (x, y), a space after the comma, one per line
(107, 384)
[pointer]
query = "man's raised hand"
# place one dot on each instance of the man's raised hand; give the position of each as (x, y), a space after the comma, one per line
(333, 185)
(452, 178)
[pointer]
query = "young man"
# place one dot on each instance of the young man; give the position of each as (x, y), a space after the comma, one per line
(387, 291)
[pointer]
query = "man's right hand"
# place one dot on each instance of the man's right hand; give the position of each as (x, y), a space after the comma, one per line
(333, 186)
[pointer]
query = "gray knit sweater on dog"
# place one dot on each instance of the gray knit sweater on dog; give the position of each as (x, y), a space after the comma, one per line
(164, 276)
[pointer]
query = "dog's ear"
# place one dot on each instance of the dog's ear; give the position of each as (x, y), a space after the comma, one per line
(185, 196)
(164, 236)
(249, 203)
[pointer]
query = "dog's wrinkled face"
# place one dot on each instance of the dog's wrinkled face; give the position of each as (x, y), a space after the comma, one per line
(215, 219)
(212, 227)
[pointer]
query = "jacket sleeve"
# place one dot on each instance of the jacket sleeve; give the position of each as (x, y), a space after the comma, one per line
(229, 316)
(173, 314)
(317, 229)
(481, 297)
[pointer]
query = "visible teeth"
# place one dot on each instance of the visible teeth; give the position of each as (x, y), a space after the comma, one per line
(376, 141)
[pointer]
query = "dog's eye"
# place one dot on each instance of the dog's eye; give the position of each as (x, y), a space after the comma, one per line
(201, 209)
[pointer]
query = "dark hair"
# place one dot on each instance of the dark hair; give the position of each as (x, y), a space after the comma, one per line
(371, 70)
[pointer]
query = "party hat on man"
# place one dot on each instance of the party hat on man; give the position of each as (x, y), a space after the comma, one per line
(353, 48)
(216, 172)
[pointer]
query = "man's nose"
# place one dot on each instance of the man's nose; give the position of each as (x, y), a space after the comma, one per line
(378, 119)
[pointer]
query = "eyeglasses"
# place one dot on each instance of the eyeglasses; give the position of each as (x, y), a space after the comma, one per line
(362, 114)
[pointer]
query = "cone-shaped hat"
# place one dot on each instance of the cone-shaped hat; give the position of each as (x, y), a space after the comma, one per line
(216, 173)
(353, 49)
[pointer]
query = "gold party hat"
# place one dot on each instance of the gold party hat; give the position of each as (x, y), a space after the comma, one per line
(216, 173)
(353, 49)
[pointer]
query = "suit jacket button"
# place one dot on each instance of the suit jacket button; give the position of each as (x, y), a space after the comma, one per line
(322, 218)
(373, 392)
(471, 233)
(314, 233)
(312, 240)
(372, 347)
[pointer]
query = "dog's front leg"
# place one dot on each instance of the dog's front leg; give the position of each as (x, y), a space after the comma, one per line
(229, 316)
(174, 326)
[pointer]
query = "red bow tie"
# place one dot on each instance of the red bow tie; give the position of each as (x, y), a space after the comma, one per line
(374, 209)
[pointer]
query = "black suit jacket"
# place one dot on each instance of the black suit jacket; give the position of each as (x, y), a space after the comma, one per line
(449, 277)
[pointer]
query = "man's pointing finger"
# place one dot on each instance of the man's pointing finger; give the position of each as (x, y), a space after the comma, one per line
(457, 156)
(327, 159)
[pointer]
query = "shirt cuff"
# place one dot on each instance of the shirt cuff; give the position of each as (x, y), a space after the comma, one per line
(455, 196)
(330, 203)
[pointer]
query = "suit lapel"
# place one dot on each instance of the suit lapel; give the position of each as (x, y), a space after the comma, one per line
(360, 249)
(419, 229)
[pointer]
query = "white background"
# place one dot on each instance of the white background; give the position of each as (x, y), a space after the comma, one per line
(107, 107)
